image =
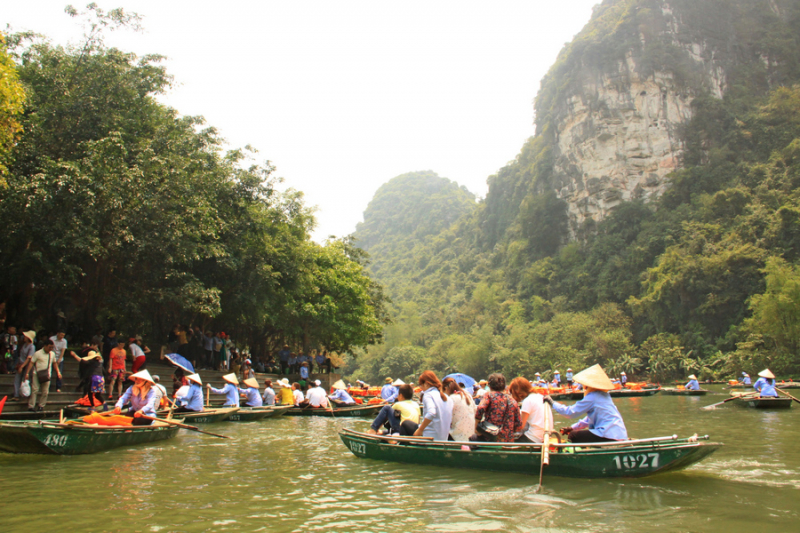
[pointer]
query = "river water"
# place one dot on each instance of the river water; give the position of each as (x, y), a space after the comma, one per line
(294, 474)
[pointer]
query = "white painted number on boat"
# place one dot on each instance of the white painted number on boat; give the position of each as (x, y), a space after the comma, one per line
(358, 447)
(649, 460)
(55, 440)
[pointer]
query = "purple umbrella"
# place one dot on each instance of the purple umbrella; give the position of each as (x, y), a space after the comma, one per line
(180, 361)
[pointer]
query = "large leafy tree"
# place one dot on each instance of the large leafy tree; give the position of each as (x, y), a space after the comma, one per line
(12, 97)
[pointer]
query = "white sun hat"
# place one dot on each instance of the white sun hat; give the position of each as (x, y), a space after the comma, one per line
(284, 383)
(145, 375)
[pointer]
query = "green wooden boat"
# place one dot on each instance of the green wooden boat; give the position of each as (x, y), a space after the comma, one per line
(684, 392)
(208, 416)
(574, 395)
(345, 412)
(52, 437)
(249, 414)
(278, 410)
(606, 460)
(767, 403)
(628, 393)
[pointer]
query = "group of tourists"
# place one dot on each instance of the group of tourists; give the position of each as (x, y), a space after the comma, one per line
(504, 413)
(301, 363)
(209, 350)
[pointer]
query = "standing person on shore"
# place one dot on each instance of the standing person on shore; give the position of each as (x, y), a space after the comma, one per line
(142, 397)
(602, 423)
(44, 366)
(139, 353)
(268, 398)
(208, 347)
(26, 351)
(437, 408)
(293, 363)
(222, 353)
(319, 359)
(230, 390)
(532, 411)
(109, 343)
(116, 369)
(284, 356)
(216, 343)
(90, 370)
(192, 401)
(253, 397)
(60, 350)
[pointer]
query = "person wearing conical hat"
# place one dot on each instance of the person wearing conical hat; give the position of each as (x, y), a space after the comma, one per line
(623, 378)
(765, 385)
(191, 401)
(389, 391)
(556, 379)
(745, 379)
(568, 375)
(230, 390)
(252, 394)
(141, 396)
(90, 370)
(693, 384)
(339, 395)
(602, 422)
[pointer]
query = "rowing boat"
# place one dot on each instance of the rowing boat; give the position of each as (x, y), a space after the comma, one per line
(762, 402)
(348, 412)
(52, 437)
(207, 416)
(278, 410)
(249, 414)
(602, 460)
(632, 393)
(684, 392)
(561, 396)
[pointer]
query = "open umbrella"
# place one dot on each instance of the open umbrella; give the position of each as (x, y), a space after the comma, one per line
(180, 361)
(469, 383)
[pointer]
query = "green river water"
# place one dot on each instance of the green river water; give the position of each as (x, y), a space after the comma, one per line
(294, 474)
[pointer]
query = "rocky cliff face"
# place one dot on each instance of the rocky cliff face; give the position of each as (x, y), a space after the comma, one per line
(617, 130)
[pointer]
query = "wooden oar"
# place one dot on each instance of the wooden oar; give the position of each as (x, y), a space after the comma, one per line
(545, 458)
(208, 396)
(714, 405)
(787, 394)
(185, 426)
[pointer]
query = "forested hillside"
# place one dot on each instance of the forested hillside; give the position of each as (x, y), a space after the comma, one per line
(651, 225)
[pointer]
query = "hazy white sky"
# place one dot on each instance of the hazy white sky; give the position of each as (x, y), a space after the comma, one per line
(342, 96)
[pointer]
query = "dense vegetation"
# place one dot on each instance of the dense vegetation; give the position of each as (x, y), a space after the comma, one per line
(118, 211)
(703, 280)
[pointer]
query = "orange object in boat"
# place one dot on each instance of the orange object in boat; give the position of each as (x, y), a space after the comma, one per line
(115, 420)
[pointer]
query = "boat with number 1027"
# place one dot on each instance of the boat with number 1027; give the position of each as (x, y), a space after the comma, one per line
(635, 458)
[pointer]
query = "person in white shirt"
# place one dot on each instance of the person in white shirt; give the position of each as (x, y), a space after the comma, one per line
(316, 396)
(161, 391)
(297, 393)
(60, 350)
(535, 417)
(269, 394)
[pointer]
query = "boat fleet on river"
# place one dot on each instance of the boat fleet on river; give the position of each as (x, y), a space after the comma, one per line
(82, 431)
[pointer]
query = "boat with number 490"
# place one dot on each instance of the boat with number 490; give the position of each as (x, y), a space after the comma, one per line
(634, 458)
(71, 438)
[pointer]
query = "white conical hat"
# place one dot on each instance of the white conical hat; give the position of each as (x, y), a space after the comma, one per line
(195, 378)
(231, 378)
(622, 374)
(251, 382)
(594, 377)
(145, 375)
(398, 382)
(339, 385)
(766, 374)
(692, 376)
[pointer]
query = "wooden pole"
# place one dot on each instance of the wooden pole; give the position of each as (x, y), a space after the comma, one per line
(545, 458)
(184, 426)
(208, 396)
(787, 394)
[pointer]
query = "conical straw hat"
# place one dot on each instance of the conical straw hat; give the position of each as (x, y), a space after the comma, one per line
(766, 374)
(231, 378)
(398, 382)
(594, 377)
(692, 376)
(339, 385)
(251, 382)
(195, 378)
(145, 375)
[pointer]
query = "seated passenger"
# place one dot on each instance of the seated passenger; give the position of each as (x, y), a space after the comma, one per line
(142, 398)
(765, 384)
(400, 418)
(499, 409)
(268, 397)
(693, 384)
(253, 396)
(437, 408)
(191, 401)
(462, 424)
(230, 390)
(340, 396)
(285, 392)
(297, 394)
(532, 411)
(316, 397)
(602, 423)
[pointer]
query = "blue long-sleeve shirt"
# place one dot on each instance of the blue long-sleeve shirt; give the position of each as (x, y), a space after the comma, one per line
(765, 388)
(569, 376)
(193, 399)
(253, 397)
(231, 393)
(693, 385)
(746, 380)
(342, 396)
(146, 405)
(389, 393)
(602, 416)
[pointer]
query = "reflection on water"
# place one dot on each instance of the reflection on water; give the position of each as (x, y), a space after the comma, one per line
(293, 474)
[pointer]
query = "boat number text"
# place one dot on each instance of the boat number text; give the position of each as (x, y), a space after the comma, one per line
(55, 440)
(642, 460)
(358, 447)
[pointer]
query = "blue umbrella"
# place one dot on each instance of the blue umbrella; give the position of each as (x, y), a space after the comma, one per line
(180, 361)
(468, 382)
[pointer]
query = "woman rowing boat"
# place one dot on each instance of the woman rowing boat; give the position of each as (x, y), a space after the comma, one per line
(192, 400)
(142, 397)
(765, 385)
(230, 390)
(252, 394)
(602, 423)
(693, 384)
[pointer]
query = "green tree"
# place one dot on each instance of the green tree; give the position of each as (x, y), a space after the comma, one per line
(12, 98)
